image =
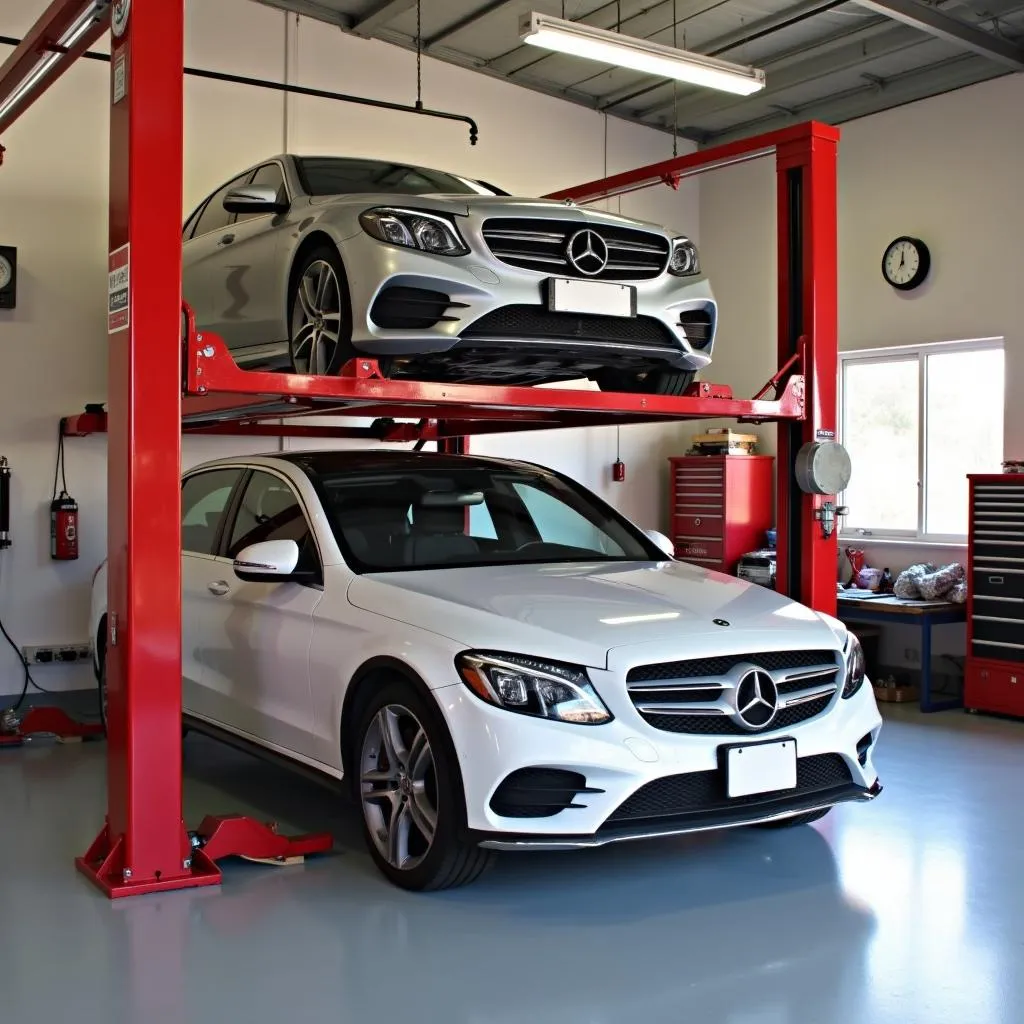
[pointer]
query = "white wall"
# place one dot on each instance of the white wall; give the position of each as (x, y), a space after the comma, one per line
(945, 169)
(53, 206)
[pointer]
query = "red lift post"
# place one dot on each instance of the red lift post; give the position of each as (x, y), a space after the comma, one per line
(144, 846)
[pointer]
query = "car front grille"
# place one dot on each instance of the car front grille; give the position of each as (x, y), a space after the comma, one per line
(699, 696)
(529, 322)
(703, 792)
(542, 245)
(773, 661)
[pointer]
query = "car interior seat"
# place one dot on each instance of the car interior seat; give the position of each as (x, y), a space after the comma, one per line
(438, 534)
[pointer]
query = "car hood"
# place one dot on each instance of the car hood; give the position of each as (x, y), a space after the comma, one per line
(583, 612)
(488, 206)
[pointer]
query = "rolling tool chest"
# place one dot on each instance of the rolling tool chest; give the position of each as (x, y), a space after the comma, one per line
(720, 507)
(994, 676)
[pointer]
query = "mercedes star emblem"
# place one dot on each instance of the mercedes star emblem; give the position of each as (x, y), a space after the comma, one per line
(588, 252)
(757, 699)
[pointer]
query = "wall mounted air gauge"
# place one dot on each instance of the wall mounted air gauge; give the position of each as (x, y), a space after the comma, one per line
(8, 276)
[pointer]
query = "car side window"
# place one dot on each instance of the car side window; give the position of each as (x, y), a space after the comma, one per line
(215, 216)
(268, 174)
(270, 510)
(204, 497)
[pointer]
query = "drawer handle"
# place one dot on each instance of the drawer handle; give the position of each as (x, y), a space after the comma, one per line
(996, 581)
(696, 521)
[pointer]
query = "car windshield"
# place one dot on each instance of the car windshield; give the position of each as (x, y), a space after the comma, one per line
(334, 176)
(440, 518)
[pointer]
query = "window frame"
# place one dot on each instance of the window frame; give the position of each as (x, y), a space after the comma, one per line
(226, 512)
(230, 515)
(919, 354)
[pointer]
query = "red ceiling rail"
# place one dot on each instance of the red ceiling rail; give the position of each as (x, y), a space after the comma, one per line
(671, 172)
(66, 29)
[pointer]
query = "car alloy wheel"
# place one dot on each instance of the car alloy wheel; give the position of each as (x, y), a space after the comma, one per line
(398, 785)
(317, 316)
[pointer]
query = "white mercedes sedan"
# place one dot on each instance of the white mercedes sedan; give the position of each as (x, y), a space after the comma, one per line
(492, 658)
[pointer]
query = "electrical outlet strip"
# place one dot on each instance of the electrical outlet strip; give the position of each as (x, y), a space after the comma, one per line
(60, 654)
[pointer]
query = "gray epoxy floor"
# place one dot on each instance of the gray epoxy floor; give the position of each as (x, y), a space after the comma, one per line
(910, 909)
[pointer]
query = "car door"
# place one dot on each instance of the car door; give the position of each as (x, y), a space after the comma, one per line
(205, 498)
(205, 250)
(259, 633)
(247, 282)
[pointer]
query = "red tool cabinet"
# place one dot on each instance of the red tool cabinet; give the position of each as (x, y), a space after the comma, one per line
(994, 675)
(720, 506)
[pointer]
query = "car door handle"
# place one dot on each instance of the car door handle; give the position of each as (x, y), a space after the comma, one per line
(218, 588)
(226, 239)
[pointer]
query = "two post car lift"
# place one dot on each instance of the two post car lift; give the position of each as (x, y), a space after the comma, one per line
(159, 387)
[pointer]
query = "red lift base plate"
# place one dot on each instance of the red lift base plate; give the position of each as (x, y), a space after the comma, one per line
(103, 865)
(53, 722)
(219, 836)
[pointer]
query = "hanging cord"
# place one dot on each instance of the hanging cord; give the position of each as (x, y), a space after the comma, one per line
(618, 16)
(59, 467)
(675, 83)
(419, 54)
(618, 450)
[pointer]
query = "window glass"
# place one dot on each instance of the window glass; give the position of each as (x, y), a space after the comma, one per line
(881, 435)
(268, 174)
(914, 433)
(427, 518)
(270, 510)
(204, 497)
(215, 216)
(331, 176)
(963, 435)
(558, 523)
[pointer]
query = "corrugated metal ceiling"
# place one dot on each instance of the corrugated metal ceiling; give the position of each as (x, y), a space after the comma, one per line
(824, 59)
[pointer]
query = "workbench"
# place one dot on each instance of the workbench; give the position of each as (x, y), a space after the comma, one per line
(900, 611)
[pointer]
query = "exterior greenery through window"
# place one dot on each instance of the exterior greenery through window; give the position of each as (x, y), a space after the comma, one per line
(911, 421)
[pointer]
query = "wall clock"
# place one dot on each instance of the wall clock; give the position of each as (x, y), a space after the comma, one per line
(906, 262)
(8, 276)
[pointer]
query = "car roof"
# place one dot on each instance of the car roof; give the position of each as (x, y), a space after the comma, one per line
(329, 460)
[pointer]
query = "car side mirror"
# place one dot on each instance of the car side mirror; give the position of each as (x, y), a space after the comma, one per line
(270, 561)
(662, 542)
(253, 199)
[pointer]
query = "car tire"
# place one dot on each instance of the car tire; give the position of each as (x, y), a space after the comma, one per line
(413, 809)
(657, 382)
(319, 315)
(794, 820)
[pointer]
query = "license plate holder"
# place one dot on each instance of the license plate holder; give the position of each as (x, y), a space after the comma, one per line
(591, 298)
(765, 767)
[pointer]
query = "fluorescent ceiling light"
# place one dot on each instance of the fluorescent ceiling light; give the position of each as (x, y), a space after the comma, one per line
(629, 52)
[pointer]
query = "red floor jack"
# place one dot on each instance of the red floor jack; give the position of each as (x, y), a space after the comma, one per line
(14, 730)
(45, 722)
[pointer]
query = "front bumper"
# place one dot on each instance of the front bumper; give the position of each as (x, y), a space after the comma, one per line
(644, 782)
(479, 285)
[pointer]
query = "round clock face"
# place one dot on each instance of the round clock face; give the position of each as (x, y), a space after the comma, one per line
(905, 262)
(5, 273)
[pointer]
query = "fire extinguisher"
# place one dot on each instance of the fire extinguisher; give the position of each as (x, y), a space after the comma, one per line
(63, 513)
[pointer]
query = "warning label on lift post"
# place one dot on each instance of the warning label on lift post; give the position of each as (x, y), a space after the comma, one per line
(118, 279)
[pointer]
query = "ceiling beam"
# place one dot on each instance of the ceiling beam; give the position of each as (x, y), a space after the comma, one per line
(952, 30)
(470, 19)
(384, 12)
(931, 80)
(311, 9)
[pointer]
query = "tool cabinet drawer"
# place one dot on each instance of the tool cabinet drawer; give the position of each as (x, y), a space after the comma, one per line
(693, 527)
(699, 551)
(994, 688)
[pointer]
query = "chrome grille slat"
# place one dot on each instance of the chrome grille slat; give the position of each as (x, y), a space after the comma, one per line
(531, 244)
(698, 695)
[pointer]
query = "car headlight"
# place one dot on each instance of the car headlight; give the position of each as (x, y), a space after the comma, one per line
(531, 686)
(414, 229)
(685, 260)
(856, 667)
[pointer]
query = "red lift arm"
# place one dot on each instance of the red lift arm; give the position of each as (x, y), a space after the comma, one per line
(144, 845)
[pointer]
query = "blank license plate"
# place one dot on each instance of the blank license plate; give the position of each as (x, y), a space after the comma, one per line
(761, 768)
(598, 298)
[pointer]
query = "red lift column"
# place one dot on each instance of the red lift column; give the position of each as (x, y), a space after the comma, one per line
(808, 323)
(144, 846)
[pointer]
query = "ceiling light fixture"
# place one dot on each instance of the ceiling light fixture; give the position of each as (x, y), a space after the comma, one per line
(581, 40)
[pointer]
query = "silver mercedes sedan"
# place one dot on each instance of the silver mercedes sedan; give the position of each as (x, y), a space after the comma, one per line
(303, 263)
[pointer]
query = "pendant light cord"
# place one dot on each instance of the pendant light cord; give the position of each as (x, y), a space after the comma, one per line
(419, 54)
(675, 83)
